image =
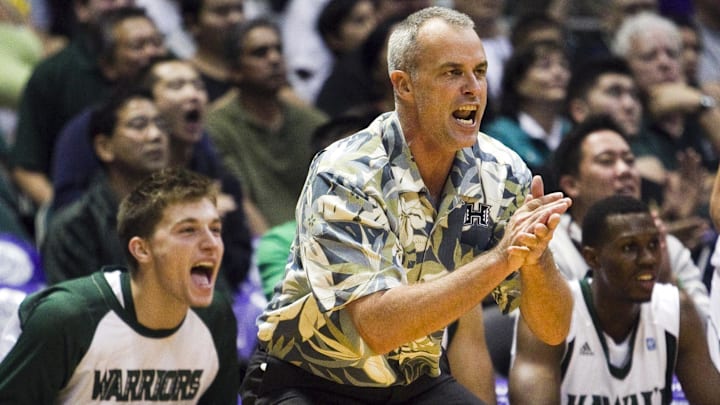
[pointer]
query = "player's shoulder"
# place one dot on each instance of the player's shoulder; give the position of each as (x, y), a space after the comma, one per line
(74, 303)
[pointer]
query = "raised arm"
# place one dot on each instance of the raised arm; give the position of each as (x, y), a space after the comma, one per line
(546, 303)
(535, 372)
(390, 318)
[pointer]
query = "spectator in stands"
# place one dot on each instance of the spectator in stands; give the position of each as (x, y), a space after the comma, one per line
(531, 118)
(629, 335)
(131, 140)
(264, 141)
(679, 115)
(76, 77)
(343, 26)
(210, 22)
(358, 84)
(606, 85)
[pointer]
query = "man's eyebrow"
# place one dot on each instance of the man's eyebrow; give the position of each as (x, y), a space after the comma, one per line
(194, 220)
(481, 65)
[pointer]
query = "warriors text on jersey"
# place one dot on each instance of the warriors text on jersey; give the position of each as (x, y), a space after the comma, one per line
(79, 342)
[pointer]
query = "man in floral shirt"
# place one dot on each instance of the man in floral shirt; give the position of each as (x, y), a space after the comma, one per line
(403, 229)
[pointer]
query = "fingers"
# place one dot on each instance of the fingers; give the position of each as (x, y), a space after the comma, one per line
(537, 188)
(537, 212)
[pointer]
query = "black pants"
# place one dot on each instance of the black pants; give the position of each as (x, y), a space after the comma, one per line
(272, 381)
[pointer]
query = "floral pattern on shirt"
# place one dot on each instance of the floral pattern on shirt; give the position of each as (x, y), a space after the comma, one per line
(366, 224)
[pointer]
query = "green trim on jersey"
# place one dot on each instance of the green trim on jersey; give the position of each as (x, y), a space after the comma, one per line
(80, 342)
(617, 372)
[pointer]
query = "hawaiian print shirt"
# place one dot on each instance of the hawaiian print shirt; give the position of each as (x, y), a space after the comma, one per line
(366, 224)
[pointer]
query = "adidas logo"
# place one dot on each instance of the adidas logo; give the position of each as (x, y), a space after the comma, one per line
(585, 350)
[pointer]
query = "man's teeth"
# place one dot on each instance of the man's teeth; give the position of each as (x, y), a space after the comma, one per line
(645, 277)
(466, 114)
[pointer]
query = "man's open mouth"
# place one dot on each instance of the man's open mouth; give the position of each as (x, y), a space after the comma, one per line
(192, 116)
(202, 274)
(466, 114)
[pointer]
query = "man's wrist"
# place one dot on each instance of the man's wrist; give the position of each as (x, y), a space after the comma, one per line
(543, 262)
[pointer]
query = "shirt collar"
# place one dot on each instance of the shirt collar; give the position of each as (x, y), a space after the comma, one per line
(534, 130)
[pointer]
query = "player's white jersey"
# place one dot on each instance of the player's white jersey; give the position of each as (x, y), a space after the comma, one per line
(588, 377)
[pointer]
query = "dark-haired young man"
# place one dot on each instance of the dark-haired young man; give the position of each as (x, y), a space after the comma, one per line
(629, 334)
(157, 332)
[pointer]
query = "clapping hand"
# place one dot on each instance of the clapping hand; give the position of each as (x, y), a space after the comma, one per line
(530, 229)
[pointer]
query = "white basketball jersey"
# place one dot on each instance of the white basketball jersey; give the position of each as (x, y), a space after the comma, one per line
(646, 378)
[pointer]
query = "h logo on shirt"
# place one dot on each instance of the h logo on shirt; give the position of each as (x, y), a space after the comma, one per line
(477, 217)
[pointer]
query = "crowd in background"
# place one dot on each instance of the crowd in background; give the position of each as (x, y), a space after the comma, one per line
(247, 91)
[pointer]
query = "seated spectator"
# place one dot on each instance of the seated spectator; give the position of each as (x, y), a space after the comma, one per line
(595, 161)
(157, 331)
(131, 140)
(264, 141)
(210, 22)
(358, 83)
(629, 333)
(113, 47)
(531, 120)
(343, 26)
(181, 99)
(606, 86)
(678, 115)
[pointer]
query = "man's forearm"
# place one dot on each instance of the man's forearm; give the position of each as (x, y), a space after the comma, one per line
(404, 313)
(546, 302)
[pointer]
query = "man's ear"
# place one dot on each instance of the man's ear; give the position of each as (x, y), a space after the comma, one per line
(402, 84)
(590, 254)
(140, 249)
(103, 148)
(568, 185)
(578, 110)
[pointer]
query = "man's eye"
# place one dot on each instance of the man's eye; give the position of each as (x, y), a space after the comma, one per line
(139, 123)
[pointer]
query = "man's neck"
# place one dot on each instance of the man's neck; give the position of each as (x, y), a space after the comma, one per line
(153, 308)
(617, 319)
(121, 183)
(265, 109)
(211, 65)
(181, 153)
